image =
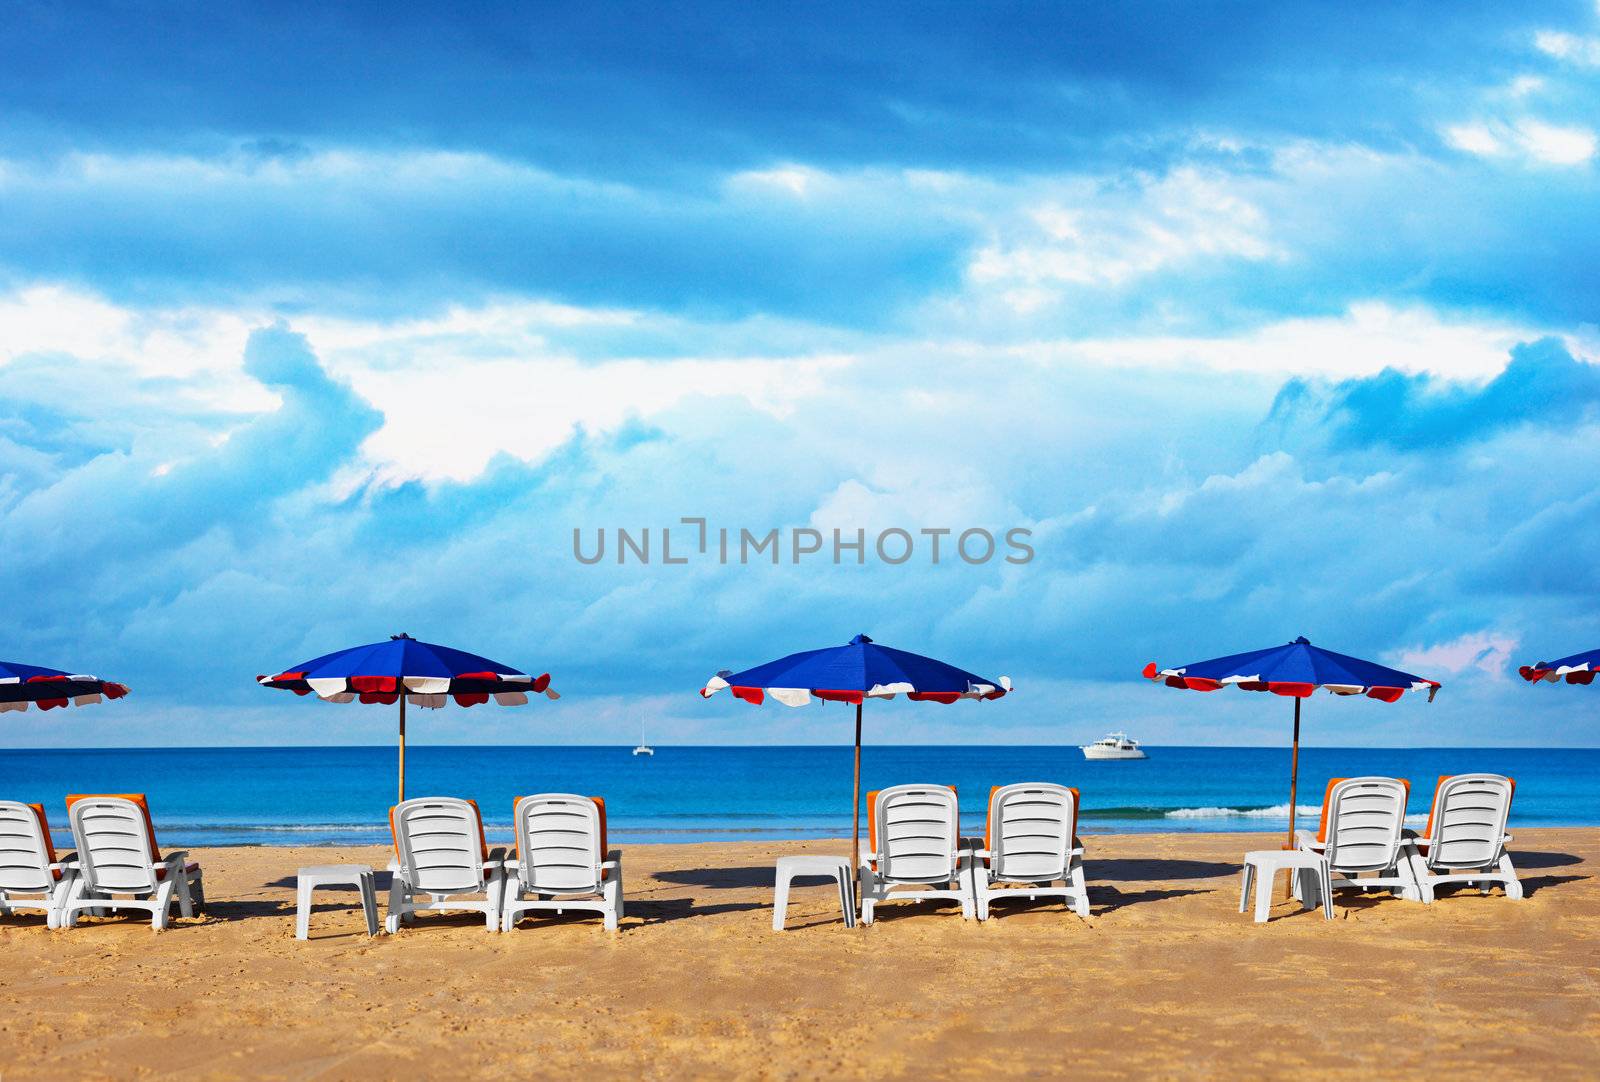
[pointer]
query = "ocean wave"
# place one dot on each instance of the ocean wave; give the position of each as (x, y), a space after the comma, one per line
(1273, 811)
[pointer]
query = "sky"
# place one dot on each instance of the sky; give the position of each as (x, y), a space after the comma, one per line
(320, 324)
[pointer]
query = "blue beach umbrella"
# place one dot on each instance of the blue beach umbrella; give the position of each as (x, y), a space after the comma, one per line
(22, 686)
(854, 673)
(1295, 670)
(427, 675)
(1576, 669)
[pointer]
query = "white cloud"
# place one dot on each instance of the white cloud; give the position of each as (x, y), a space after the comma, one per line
(1367, 338)
(1532, 140)
(1091, 236)
(1575, 48)
(1488, 652)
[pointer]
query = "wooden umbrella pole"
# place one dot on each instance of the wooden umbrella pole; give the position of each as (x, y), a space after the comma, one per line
(1294, 772)
(402, 744)
(855, 808)
(1294, 794)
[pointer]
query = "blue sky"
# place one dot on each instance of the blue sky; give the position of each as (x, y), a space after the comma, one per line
(318, 325)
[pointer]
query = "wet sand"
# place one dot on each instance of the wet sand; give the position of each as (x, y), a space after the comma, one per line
(1165, 979)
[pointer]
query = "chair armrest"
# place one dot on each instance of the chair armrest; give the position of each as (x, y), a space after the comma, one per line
(1305, 839)
(179, 855)
(395, 866)
(611, 865)
(498, 853)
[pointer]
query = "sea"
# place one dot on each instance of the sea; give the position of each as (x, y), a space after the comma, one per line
(341, 795)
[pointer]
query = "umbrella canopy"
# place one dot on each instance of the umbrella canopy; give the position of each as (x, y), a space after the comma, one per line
(25, 685)
(406, 670)
(1295, 670)
(1577, 669)
(848, 674)
(853, 673)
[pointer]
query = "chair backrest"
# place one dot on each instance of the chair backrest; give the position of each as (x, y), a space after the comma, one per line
(918, 830)
(1365, 821)
(25, 850)
(116, 842)
(440, 842)
(1467, 824)
(1030, 830)
(561, 842)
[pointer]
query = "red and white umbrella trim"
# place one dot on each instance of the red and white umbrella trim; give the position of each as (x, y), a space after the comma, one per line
(1573, 674)
(1175, 678)
(803, 696)
(431, 692)
(105, 689)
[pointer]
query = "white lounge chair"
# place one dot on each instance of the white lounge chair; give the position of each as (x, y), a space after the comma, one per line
(29, 865)
(118, 855)
(442, 853)
(562, 862)
(916, 852)
(1031, 838)
(1363, 820)
(1465, 839)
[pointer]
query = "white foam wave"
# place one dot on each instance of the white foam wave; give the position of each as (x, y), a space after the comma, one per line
(1277, 811)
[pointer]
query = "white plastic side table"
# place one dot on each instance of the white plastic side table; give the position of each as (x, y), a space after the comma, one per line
(1262, 866)
(359, 876)
(837, 867)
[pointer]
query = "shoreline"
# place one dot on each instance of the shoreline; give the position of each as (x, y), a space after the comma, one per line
(696, 983)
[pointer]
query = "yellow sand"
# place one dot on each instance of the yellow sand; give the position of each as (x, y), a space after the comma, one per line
(1166, 979)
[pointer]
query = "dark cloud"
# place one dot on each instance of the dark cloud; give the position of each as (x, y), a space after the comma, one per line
(1542, 385)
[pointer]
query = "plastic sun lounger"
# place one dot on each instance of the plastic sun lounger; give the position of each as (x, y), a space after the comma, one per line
(916, 852)
(1465, 839)
(1031, 839)
(442, 853)
(562, 861)
(118, 855)
(29, 864)
(1363, 822)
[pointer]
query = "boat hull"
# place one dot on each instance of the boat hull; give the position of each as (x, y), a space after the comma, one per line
(1092, 752)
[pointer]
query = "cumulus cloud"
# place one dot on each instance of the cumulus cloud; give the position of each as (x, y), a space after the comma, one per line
(1286, 335)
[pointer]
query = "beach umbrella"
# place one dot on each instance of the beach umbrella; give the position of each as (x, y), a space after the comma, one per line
(1295, 670)
(22, 686)
(852, 674)
(428, 676)
(1577, 669)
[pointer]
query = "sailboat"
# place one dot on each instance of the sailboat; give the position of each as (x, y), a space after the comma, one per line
(643, 748)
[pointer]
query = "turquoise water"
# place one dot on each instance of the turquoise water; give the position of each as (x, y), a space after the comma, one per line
(296, 796)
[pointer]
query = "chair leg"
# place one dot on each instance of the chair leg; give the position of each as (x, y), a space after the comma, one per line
(1513, 885)
(508, 900)
(494, 894)
(302, 909)
(161, 906)
(1080, 890)
(1246, 875)
(780, 899)
(397, 905)
(1264, 889)
(612, 892)
(185, 902)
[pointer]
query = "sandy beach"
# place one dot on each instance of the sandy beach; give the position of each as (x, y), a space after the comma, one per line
(1165, 979)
